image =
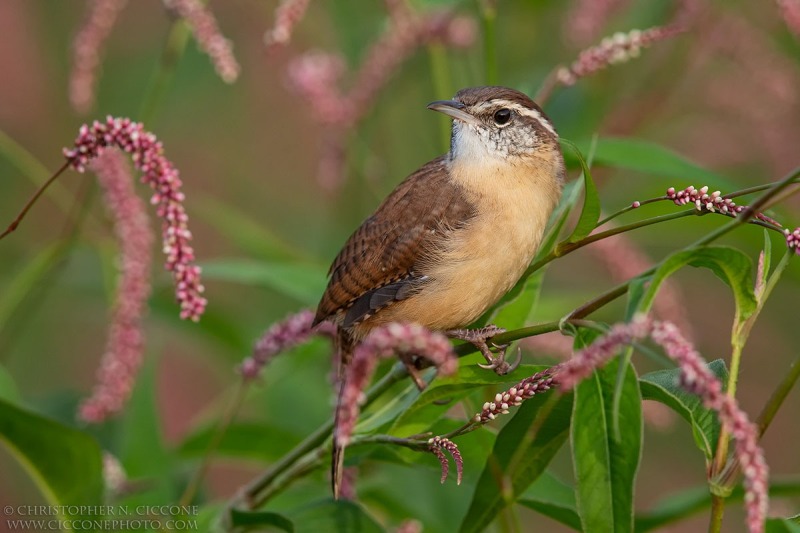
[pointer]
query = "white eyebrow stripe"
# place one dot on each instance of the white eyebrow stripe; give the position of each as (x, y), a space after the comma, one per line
(535, 115)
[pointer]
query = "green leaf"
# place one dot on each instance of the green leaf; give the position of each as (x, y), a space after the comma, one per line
(729, 264)
(332, 516)
(65, 463)
(302, 281)
(261, 520)
(590, 213)
(240, 440)
(605, 468)
(521, 452)
(553, 498)
(662, 386)
(646, 156)
(443, 392)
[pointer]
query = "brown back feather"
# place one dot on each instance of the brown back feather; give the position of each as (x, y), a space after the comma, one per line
(379, 260)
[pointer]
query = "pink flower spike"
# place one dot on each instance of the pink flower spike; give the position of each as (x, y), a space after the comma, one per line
(206, 33)
(287, 15)
(125, 344)
(618, 48)
(436, 445)
(712, 203)
(281, 336)
(513, 397)
(148, 156)
(384, 342)
(87, 49)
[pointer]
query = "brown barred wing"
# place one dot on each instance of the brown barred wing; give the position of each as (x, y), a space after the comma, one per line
(379, 263)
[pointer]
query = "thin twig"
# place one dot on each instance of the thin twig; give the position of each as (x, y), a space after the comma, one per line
(33, 199)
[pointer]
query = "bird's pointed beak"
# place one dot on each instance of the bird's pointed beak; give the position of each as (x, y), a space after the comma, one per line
(453, 109)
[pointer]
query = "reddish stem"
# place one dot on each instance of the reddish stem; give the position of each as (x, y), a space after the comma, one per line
(33, 199)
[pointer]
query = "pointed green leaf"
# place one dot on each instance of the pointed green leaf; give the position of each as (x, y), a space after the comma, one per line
(646, 156)
(662, 386)
(729, 264)
(605, 468)
(522, 451)
(65, 463)
(590, 213)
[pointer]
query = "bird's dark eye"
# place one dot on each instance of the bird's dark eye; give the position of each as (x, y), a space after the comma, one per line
(501, 116)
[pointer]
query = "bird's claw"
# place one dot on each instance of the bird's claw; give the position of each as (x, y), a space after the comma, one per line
(478, 338)
(499, 364)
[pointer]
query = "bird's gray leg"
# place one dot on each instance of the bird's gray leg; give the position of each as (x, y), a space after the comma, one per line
(478, 338)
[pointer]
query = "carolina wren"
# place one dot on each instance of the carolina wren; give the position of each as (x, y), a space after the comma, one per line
(458, 233)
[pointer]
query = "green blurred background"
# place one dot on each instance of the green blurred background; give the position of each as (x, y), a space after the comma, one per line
(724, 96)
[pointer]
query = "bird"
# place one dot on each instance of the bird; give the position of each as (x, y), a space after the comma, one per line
(453, 237)
(456, 235)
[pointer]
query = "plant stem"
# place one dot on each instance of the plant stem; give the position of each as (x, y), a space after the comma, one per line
(219, 432)
(33, 199)
(34, 170)
(624, 210)
(717, 512)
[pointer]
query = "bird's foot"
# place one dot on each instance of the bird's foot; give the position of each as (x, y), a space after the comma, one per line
(478, 338)
(413, 371)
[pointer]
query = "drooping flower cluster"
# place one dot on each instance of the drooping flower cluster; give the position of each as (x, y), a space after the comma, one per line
(87, 48)
(292, 331)
(436, 446)
(696, 378)
(404, 340)
(793, 239)
(209, 38)
(618, 48)
(713, 202)
(527, 388)
(148, 156)
(287, 15)
(125, 344)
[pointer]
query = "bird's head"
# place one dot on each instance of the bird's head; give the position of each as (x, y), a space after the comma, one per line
(497, 125)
